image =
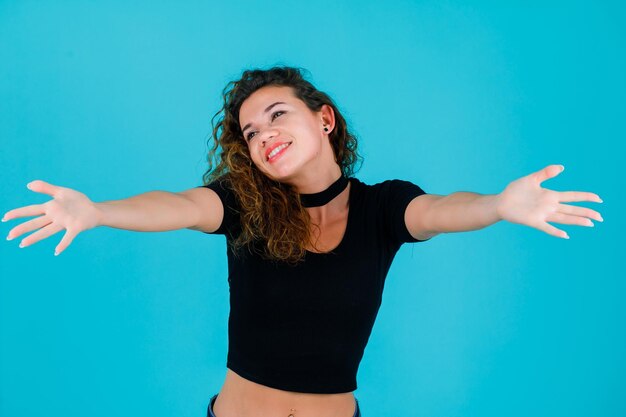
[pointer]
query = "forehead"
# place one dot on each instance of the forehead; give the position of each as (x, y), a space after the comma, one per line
(263, 97)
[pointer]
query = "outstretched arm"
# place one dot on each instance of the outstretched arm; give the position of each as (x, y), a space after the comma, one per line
(197, 209)
(523, 201)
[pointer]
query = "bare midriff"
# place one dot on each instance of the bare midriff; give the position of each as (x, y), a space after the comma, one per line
(240, 397)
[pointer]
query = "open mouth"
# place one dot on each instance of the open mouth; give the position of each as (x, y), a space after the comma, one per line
(277, 151)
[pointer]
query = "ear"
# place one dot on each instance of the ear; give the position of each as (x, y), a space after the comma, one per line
(327, 118)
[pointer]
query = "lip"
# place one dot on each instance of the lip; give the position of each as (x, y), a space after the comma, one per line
(274, 146)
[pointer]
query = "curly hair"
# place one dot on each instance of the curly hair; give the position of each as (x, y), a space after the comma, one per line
(270, 211)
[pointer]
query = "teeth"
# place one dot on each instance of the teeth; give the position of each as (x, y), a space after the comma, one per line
(276, 150)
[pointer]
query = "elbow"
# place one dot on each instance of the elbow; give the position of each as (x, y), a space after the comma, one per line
(426, 235)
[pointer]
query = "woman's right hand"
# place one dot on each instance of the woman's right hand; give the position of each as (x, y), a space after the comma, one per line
(69, 209)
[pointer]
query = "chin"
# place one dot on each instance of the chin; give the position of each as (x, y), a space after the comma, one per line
(283, 174)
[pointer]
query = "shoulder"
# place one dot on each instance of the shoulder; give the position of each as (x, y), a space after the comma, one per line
(225, 213)
(223, 181)
(387, 201)
(390, 188)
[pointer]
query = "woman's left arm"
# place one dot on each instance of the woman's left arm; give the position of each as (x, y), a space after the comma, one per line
(523, 201)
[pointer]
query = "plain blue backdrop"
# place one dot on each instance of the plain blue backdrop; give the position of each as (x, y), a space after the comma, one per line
(115, 99)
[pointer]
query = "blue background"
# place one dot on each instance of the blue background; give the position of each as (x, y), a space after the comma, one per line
(115, 99)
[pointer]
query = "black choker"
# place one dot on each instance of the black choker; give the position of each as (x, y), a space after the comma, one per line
(323, 197)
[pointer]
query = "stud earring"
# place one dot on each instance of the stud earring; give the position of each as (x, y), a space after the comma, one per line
(325, 129)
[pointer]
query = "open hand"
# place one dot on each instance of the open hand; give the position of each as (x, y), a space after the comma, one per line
(69, 209)
(524, 201)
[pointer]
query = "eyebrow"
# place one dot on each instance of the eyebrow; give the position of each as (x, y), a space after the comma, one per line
(265, 111)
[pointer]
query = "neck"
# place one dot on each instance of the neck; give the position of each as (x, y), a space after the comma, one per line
(325, 196)
(317, 180)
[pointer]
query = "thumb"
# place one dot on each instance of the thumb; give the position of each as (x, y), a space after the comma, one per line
(43, 187)
(550, 171)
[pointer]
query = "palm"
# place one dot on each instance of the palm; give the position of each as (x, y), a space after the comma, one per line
(524, 201)
(69, 209)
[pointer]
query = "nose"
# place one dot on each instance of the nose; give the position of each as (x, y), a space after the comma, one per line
(267, 134)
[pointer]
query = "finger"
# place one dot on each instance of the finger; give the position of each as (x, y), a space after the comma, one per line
(40, 186)
(550, 171)
(68, 237)
(551, 230)
(40, 234)
(570, 196)
(580, 211)
(29, 226)
(569, 219)
(26, 211)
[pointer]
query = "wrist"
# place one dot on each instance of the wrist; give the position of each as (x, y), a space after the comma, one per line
(100, 213)
(497, 206)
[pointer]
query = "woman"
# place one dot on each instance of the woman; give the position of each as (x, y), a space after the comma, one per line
(309, 245)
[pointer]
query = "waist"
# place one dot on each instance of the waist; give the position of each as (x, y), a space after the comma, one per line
(242, 397)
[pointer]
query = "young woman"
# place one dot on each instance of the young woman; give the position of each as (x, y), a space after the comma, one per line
(309, 245)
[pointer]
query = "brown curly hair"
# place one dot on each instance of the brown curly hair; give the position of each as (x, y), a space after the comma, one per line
(270, 211)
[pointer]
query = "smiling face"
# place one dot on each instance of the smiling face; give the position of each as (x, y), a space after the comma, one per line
(285, 138)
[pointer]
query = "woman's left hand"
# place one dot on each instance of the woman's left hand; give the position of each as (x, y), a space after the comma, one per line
(523, 201)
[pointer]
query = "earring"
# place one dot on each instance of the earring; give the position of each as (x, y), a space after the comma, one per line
(325, 128)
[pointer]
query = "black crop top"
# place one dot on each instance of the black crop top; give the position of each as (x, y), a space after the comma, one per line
(304, 328)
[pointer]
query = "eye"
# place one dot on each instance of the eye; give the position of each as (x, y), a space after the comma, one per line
(274, 115)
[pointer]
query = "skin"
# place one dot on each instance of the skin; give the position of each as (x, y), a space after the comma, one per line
(309, 165)
(523, 201)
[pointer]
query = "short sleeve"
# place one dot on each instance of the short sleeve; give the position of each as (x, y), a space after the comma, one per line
(223, 189)
(395, 197)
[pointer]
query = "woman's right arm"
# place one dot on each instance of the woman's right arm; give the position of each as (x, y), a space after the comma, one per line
(199, 208)
(158, 211)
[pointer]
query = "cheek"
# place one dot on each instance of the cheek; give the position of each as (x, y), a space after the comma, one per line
(255, 153)
(252, 149)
